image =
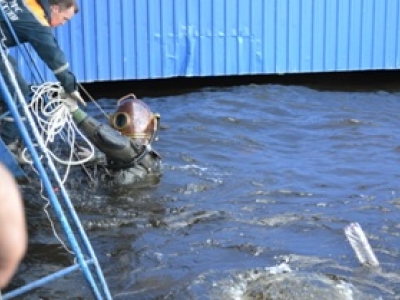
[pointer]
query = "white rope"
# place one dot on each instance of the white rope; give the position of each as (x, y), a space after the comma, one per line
(53, 227)
(3, 45)
(53, 118)
(46, 89)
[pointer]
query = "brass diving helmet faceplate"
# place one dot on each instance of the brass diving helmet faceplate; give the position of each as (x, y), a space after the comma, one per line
(133, 118)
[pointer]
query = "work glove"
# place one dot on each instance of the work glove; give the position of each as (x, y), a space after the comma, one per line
(71, 100)
(76, 96)
(70, 103)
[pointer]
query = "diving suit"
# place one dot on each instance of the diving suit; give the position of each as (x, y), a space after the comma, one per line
(125, 141)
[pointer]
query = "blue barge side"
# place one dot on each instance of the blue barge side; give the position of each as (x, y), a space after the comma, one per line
(150, 39)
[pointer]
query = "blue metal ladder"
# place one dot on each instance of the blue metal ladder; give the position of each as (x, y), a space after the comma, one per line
(86, 260)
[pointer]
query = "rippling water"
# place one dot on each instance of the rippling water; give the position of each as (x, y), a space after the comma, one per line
(255, 176)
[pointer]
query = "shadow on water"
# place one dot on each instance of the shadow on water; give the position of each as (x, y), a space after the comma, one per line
(341, 81)
(260, 178)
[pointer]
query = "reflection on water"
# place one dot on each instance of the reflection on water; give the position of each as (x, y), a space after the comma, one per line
(254, 176)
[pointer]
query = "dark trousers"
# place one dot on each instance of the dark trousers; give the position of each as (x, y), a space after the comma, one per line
(8, 130)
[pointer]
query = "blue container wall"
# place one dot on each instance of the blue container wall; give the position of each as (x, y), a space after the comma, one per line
(144, 39)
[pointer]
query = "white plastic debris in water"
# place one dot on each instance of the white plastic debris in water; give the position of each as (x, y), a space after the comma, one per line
(360, 245)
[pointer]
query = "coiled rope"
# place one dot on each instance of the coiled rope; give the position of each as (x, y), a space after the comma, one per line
(53, 119)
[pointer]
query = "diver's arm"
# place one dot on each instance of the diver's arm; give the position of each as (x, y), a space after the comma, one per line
(114, 145)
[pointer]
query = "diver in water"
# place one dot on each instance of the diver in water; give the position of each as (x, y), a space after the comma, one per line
(126, 141)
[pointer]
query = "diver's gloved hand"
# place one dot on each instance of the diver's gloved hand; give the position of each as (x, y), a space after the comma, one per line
(70, 103)
(71, 100)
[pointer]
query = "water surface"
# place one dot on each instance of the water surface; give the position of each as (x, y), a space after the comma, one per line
(254, 176)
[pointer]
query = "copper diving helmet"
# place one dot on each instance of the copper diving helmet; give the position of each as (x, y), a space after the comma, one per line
(134, 119)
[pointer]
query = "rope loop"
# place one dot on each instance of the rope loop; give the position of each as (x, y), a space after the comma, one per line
(53, 120)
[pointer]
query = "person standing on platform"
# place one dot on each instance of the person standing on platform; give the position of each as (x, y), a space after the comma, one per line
(33, 22)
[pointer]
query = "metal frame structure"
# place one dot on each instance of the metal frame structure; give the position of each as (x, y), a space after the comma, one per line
(86, 260)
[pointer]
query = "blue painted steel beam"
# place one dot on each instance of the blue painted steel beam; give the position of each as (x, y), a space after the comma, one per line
(96, 281)
(42, 281)
(46, 182)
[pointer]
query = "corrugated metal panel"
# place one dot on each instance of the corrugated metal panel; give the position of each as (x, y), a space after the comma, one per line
(142, 39)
